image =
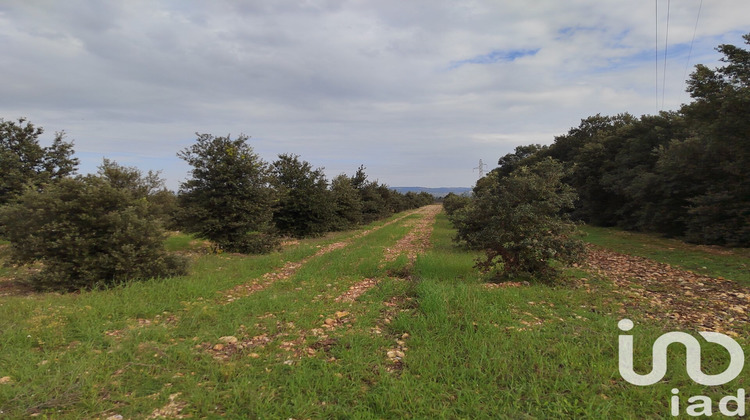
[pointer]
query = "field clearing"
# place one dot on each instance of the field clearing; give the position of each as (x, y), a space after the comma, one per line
(390, 321)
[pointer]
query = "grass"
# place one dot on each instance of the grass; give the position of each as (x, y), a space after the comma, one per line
(469, 351)
(63, 362)
(177, 241)
(528, 352)
(730, 263)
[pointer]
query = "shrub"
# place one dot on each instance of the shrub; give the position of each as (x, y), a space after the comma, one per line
(86, 233)
(229, 199)
(517, 221)
(453, 202)
(305, 206)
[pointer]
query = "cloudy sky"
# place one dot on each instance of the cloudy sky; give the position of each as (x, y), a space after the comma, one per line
(416, 90)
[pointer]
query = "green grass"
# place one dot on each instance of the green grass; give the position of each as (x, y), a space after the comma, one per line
(470, 351)
(529, 352)
(178, 241)
(63, 363)
(730, 263)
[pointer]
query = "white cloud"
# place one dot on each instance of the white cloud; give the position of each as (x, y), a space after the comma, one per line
(417, 91)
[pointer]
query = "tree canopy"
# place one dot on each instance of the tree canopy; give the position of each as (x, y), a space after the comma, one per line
(25, 163)
(228, 199)
(305, 206)
(684, 173)
(517, 220)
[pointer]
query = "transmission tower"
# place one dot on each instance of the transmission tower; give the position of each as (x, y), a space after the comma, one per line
(480, 167)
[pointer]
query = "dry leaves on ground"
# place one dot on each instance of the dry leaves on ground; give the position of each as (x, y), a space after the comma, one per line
(665, 292)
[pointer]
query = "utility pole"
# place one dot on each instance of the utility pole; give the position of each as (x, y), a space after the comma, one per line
(480, 167)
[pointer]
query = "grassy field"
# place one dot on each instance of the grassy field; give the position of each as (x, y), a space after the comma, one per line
(428, 340)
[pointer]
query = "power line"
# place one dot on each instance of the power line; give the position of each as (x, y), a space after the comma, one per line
(656, 53)
(666, 48)
(690, 51)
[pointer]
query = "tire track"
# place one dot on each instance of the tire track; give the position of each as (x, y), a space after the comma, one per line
(246, 289)
(415, 242)
(290, 268)
(319, 340)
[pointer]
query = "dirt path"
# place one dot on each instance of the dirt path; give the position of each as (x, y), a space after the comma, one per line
(341, 315)
(415, 242)
(418, 239)
(255, 285)
(664, 292)
(290, 268)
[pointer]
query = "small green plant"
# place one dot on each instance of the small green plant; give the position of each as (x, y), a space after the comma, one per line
(86, 233)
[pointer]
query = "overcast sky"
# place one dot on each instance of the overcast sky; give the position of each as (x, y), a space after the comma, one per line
(416, 90)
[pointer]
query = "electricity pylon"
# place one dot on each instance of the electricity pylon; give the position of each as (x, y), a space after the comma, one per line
(480, 167)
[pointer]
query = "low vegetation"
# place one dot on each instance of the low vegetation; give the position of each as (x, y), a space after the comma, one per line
(86, 232)
(340, 326)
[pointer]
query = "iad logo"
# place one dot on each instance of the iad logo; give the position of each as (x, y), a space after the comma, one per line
(702, 404)
(692, 362)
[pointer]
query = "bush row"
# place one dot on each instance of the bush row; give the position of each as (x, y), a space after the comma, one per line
(108, 228)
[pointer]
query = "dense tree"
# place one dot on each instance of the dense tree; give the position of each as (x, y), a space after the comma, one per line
(374, 205)
(718, 210)
(347, 203)
(522, 155)
(425, 198)
(567, 147)
(86, 233)
(148, 186)
(415, 200)
(639, 199)
(683, 173)
(305, 206)
(517, 221)
(229, 199)
(454, 202)
(587, 148)
(25, 163)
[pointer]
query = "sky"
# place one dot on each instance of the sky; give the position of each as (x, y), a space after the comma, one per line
(417, 91)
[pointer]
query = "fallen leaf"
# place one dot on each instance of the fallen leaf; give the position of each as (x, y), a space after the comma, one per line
(229, 339)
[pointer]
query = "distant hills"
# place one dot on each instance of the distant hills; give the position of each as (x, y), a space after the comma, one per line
(437, 192)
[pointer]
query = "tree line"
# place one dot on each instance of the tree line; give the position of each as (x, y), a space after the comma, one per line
(682, 173)
(107, 228)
